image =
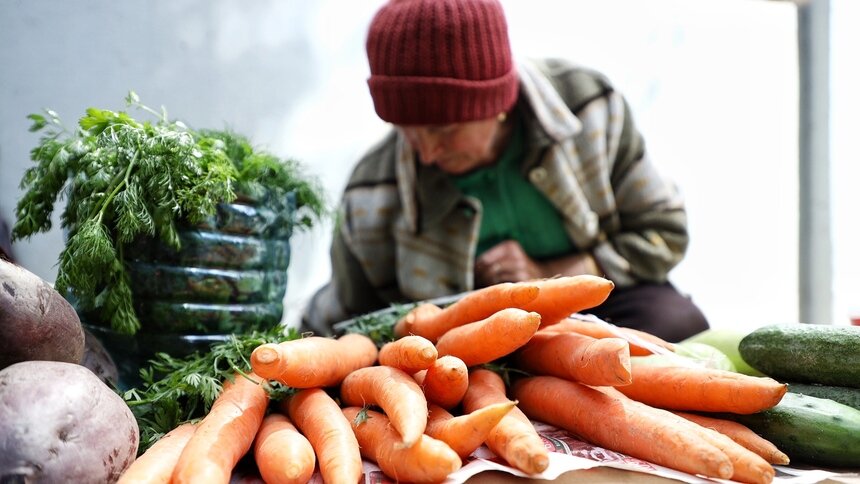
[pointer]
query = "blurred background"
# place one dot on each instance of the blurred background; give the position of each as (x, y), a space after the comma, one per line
(713, 84)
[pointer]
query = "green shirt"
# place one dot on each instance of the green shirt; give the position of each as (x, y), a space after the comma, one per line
(513, 209)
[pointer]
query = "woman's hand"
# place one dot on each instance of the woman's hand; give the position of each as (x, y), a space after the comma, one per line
(508, 262)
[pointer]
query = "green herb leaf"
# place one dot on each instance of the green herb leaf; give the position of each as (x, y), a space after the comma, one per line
(178, 390)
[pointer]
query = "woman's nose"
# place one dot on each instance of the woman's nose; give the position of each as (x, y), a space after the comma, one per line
(429, 148)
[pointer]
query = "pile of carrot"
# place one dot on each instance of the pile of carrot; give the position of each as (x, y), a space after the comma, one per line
(419, 405)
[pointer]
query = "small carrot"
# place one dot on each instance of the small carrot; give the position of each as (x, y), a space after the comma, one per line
(702, 389)
(283, 455)
(475, 306)
(560, 297)
(409, 353)
(314, 361)
(465, 433)
(742, 435)
(428, 460)
(577, 357)
(320, 419)
(514, 438)
(156, 465)
(419, 313)
(579, 325)
(225, 434)
(397, 393)
(489, 339)
(445, 382)
(613, 423)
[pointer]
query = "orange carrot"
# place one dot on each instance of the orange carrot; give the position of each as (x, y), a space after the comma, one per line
(475, 306)
(313, 361)
(445, 382)
(320, 419)
(742, 435)
(409, 353)
(419, 313)
(596, 330)
(465, 433)
(562, 296)
(488, 339)
(282, 454)
(514, 438)
(613, 423)
(225, 434)
(395, 392)
(702, 389)
(428, 460)
(746, 465)
(577, 357)
(156, 465)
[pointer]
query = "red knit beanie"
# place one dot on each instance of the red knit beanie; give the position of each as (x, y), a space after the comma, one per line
(440, 61)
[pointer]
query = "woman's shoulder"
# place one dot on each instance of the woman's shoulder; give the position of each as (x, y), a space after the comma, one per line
(576, 84)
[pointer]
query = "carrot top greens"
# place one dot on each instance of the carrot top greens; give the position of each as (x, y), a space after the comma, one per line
(124, 179)
(177, 390)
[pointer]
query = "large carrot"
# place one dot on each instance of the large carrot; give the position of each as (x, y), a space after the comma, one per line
(613, 423)
(283, 455)
(577, 357)
(445, 382)
(702, 389)
(313, 361)
(225, 434)
(514, 438)
(428, 460)
(156, 465)
(465, 433)
(409, 353)
(489, 339)
(393, 390)
(742, 435)
(475, 306)
(562, 296)
(320, 419)
(746, 465)
(638, 339)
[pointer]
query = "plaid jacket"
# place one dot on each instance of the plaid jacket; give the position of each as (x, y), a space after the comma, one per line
(406, 233)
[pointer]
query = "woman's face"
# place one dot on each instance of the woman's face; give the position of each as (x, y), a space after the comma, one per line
(460, 147)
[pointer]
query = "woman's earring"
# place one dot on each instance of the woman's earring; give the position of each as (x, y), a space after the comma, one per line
(502, 117)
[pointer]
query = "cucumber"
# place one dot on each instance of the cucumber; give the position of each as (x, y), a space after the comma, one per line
(844, 395)
(812, 430)
(806, 353)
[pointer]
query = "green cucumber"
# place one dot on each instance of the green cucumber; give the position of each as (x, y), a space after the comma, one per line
(844, 395)
(812, 430)
(806, 353)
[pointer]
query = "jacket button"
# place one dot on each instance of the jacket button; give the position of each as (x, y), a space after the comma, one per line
(538, 174)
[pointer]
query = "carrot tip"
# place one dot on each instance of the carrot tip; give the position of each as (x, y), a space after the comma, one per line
(266, 355)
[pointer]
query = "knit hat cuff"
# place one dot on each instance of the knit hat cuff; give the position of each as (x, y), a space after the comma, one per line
(414, 100)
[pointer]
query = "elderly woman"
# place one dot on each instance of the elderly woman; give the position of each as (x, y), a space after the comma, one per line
(499, 172)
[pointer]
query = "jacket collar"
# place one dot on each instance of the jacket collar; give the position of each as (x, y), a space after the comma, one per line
(428, 194)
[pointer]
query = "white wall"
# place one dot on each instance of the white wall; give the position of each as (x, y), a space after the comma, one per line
(712, 84)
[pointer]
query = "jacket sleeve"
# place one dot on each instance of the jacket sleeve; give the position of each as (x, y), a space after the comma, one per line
(649, 234)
